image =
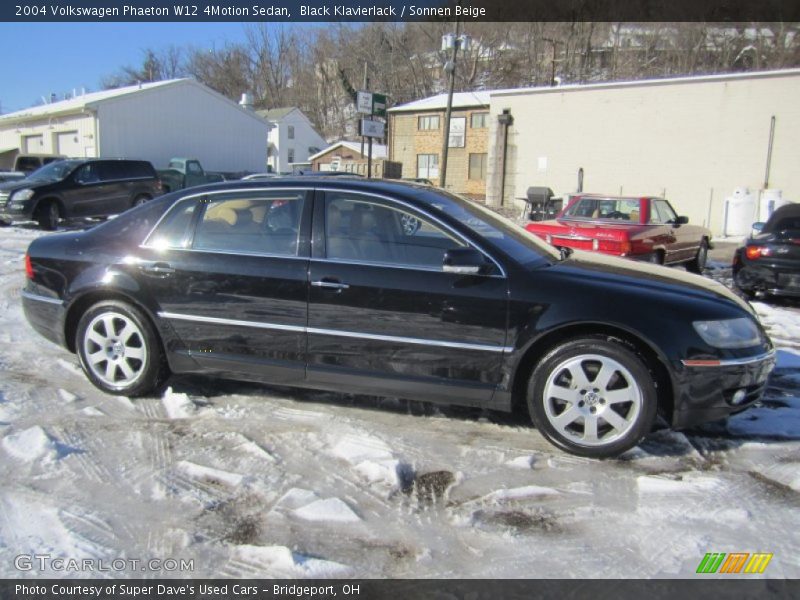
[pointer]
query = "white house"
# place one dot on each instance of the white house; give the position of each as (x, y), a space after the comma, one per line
(152, 121)
(292, 138)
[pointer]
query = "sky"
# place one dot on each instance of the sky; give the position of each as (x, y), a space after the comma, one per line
(40, 58)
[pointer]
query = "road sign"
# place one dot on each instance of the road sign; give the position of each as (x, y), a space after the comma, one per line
(373, 129)
(368, 103)
(364, 103)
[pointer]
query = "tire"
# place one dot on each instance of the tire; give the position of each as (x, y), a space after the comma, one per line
(698, 263)
(656, 258)
(48, 215)
(592, 397)
(119, 350)
(139, 200)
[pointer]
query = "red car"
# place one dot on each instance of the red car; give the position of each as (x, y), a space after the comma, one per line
(640, 228)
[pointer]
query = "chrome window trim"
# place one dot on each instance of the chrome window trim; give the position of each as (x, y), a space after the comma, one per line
(431, 216)
(333, 332)
(145, 244)
(732, 362)
(38, 298)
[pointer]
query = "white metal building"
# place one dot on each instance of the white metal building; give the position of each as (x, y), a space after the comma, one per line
(153, 121)
(693, 139)
(292, 138)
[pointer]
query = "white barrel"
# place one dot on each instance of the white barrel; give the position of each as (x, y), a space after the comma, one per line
(771, 200)
(740, 209)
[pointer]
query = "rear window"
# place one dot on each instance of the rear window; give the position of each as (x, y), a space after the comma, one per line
(611, 209)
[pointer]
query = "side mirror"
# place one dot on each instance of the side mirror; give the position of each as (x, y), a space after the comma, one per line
(758, 227)
(465, 261)
(682, 220)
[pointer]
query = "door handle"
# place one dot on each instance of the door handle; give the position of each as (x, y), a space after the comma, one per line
(156, 268)
(330, 285)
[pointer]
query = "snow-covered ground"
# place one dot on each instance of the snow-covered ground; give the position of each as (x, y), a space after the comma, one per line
(256, 481)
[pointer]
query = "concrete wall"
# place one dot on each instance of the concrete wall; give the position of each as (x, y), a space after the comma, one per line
(182, 120)
(693, 140)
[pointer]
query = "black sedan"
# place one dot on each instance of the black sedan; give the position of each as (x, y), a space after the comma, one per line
(321, 283)
(769, 263)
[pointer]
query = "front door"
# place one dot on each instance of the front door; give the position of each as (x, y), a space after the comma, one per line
(229, 272)
(384, 317)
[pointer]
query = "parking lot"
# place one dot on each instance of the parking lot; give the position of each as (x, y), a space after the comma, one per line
(247, 480)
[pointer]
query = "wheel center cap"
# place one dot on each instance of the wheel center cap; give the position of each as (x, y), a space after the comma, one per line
(591, 398)
(118, 349)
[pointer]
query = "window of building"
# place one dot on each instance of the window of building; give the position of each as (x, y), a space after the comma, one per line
(290, 132)
(428, 122)
(428, 166)
(290, 155)
(477, 166)
(458, 133)
(479, 120)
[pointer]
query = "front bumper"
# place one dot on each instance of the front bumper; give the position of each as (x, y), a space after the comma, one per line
(705, 390)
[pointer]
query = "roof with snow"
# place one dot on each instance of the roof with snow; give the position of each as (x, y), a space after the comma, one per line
(378, 150)
(89, 100)
(275, 114)
(438, 102)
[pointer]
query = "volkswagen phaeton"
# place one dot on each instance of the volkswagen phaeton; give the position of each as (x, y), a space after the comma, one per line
(394, 289)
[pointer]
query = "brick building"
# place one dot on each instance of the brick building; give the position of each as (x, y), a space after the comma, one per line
(347, 157)
(415, 140)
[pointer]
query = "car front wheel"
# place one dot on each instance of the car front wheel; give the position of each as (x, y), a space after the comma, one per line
(592, 397)
(48, 215)
(119, 349)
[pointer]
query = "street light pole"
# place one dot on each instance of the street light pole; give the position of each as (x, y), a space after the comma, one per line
(446, 136)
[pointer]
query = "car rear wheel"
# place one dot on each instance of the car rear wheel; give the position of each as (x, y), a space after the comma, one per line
(656, 258)
(592, 397)
(119, 349)
(48, 215)
(698, 263)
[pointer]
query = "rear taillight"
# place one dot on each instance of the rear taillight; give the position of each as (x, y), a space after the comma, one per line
(756, 252)
(612, 246)
(28, 267)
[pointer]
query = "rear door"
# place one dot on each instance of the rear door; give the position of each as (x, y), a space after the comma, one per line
(384, 317)
(229, 272)
(87, 193)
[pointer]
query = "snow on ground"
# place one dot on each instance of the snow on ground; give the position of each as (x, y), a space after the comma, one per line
(249, 480)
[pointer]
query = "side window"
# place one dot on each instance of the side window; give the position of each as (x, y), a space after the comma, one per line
(362, 230)
(88, 173)
(661, 212)
(112, 170)
(173, 230)
(251, 223)
(193, 168)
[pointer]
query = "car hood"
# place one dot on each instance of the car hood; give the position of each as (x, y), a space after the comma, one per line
(20, 184)
(657, 278)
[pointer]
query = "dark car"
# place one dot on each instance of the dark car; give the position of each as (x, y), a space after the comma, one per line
(642, 228)
(319, 283)
(78, 188)
(769, 263)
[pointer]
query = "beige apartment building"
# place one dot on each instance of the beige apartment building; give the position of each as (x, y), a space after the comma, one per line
(694, 140)
(416, 134)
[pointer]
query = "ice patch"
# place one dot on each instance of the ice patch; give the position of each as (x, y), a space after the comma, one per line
(31, 445)
(92, 411)
(295, 498)
(697, 484)
(787, 474)
(283, 563)
(521, 462)
(357, 448)
(254, 449)
(521, 493)
(178, 405)
(210, 475)
(330, 509)
(386, 471)
(69, 366)
(66, 396)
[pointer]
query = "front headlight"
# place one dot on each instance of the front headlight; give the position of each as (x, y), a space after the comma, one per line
(730, 333)
(21, 195)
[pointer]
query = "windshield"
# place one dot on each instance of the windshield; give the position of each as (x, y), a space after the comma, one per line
(502, 232)
(55, 171)
(609, 209)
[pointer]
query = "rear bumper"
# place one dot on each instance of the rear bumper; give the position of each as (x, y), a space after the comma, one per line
(705, 392)
(46, 315)
(777, 280)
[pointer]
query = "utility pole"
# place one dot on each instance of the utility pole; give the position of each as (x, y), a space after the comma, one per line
(366, 89)
(451, 67)
(553, 43)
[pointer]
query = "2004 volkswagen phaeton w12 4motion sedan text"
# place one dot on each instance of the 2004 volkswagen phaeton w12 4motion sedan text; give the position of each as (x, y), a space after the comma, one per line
(394, 289)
